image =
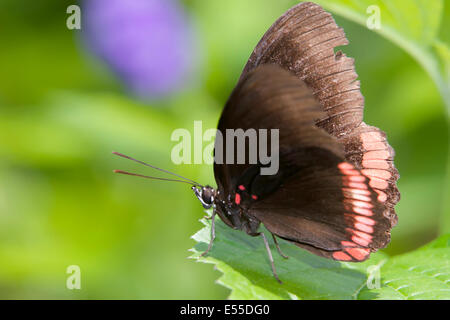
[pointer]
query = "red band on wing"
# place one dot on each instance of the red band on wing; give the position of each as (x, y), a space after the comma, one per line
(358, 203)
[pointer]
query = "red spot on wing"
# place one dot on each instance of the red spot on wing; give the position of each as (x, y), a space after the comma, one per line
(376, 155)
(354, 178)
(241, 187)
(363, 227)
(345, 166)
(374, 145)
(377, 183)
(357, 191)
(356, 185)
(362, 211)
(350, 172)
(362, 204)
(359, 197)
(348, 244)
(375, 164)
(340, 255)
(382, 197)
(363, 235)
(371, 137)
(360, 241)
(381, 174)
(254, 197)
(237, 198)
(365, 220)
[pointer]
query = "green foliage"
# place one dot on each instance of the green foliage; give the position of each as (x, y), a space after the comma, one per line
(422, 274)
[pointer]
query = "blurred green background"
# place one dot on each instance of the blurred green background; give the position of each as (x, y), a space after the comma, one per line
(62, 112)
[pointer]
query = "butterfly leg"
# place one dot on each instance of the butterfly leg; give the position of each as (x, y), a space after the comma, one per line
(278, 247)
(266, 243)
(213, 234)
(207, 217)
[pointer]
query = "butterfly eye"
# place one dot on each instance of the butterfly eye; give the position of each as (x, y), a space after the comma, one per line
(208, 195)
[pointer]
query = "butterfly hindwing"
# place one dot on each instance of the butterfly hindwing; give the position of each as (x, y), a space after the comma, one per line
(327, 207)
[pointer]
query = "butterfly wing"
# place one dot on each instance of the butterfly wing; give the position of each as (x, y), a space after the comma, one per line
(303, 40)
(317, 199)
(271, 98)
(327, 207)
(367, 149)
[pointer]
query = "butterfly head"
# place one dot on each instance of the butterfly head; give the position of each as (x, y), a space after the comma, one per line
(205, 195)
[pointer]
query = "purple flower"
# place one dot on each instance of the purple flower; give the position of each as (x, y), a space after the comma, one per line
(148, 43)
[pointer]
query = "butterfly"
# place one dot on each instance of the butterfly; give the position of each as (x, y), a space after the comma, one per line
(335, 189)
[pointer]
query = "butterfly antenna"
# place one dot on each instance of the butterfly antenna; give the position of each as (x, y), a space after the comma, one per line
(192, 182)
(153, 178)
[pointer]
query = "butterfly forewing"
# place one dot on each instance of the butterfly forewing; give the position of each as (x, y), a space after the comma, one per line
(303, 40)
(271, 98)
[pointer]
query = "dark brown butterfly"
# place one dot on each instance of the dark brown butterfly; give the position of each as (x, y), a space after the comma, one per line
(335, 189)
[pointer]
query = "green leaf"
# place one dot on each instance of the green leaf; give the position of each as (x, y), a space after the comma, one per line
(412, 25)
(423, 274)
(243, 260)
